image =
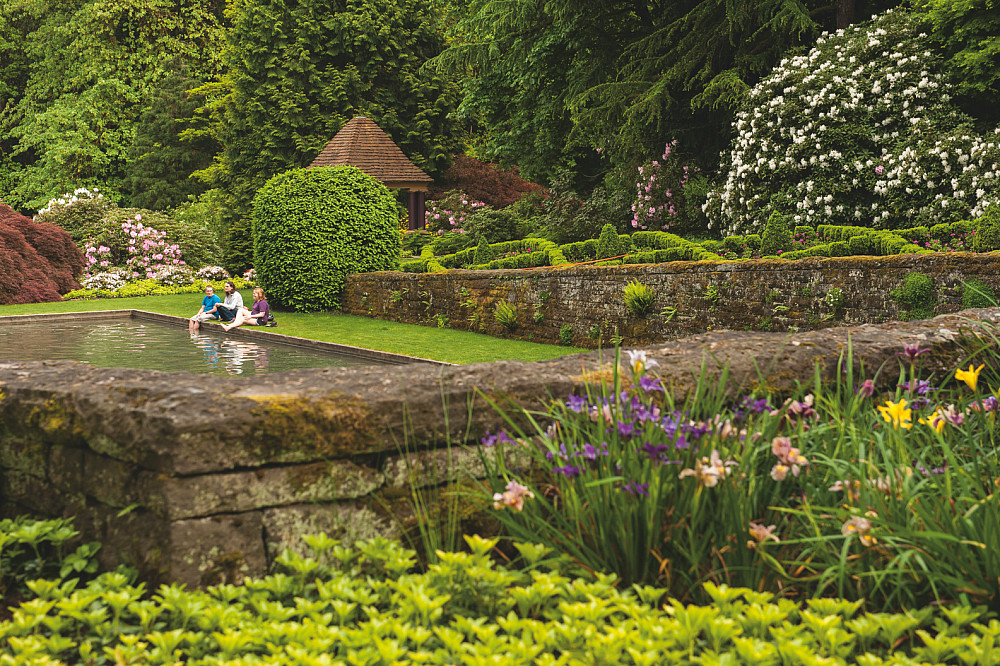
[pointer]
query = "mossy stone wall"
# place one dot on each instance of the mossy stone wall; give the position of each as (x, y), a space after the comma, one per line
(586, 303)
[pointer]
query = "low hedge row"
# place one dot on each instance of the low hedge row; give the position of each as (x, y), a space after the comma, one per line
(640, 247)
(645, 247)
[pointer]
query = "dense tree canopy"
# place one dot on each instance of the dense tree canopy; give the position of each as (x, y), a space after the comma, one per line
(77, 75)
(969, 33)
(552, 81)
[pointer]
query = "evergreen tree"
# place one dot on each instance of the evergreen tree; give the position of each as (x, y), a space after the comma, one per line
(553, 80)
(777, 237)
(161, 160)
(83, 77)
(484, 253)
(609, 243)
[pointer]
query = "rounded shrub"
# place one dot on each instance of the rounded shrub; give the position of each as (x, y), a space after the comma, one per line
(777, 237)
(988, 235)
(311, 227)
(609, 244)
(496, 226)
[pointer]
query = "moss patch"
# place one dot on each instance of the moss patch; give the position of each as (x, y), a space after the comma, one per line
(326, 427)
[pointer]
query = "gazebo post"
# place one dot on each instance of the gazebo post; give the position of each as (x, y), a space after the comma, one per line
(412, 210)
(421, 211)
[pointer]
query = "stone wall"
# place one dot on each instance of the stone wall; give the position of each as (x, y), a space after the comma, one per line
(770, 295)
(200, 480)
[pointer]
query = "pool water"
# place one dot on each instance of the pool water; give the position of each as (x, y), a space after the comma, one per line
(147, 345)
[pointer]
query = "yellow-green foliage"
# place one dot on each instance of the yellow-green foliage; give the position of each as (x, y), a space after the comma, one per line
(152, 288)
(370, 605)
(639, 298)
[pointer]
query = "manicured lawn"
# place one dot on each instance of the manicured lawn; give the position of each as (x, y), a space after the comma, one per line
(436, 343)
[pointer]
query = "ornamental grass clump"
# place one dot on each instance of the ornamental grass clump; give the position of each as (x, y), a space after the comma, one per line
(860, 130)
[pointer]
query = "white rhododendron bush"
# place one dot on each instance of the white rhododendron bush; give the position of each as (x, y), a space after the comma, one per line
(860, 130)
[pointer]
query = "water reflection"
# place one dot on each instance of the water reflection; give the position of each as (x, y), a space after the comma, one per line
(150, 345)
(232, 356)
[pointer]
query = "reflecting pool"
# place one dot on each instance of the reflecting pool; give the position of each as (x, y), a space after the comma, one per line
(149, 345)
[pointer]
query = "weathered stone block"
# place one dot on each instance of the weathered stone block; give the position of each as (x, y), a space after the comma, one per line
(216, 550)
(204, 495)
(25, 455)
(349, 522)
(66, 468)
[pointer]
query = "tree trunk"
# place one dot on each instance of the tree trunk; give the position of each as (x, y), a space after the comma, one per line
(845, 13)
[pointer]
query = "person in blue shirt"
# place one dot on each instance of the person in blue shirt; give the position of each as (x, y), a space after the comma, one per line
(207, 311)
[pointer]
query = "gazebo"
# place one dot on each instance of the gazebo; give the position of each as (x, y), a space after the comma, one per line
(362, 144)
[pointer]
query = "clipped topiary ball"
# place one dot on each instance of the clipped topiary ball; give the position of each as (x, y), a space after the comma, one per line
(312, 227)
(988, 235)
(777, 236)
(609, 244)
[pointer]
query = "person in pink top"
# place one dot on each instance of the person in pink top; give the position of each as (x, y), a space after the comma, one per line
(256, 316)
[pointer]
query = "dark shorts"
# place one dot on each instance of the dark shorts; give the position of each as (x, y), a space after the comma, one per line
(225, 314)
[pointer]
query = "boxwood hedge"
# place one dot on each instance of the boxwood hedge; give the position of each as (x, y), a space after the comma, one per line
(311, 227)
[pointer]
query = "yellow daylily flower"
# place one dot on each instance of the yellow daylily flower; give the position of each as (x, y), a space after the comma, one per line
(935, 420)
(896, 413)
(970, 376)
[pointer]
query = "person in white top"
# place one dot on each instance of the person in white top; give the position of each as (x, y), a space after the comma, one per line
(228, 308)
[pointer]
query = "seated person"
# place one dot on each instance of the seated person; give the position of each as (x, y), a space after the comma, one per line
(229, 308)
(257, 316)
(207, 310)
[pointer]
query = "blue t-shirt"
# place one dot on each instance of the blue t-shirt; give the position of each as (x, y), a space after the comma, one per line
(209, 302)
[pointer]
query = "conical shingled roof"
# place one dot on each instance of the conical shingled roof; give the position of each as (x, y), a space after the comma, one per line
(362, 144)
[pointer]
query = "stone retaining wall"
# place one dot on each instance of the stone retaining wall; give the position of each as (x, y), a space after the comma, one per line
(586, 303)
(200, 479)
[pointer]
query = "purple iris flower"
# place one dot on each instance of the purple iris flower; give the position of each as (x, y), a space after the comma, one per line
(626, 429)
(911, 352)
(918, 386)
(650, 384)
(635, 489)
(569, 471)
(500, 438)
(576, 403)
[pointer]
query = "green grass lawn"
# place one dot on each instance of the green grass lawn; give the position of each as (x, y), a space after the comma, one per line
(441, 344)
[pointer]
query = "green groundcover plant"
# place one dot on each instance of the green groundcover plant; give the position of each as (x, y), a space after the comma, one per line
(370, 604)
